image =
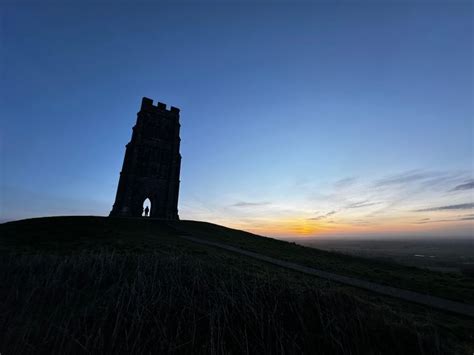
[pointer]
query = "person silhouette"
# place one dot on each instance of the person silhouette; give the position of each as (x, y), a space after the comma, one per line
(146, 211)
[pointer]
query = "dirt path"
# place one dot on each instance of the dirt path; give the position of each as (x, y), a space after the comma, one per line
(431, 301)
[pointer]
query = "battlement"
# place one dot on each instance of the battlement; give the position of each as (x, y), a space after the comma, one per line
(147, 104)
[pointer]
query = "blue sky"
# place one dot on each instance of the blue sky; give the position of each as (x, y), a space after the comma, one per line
(297, 118)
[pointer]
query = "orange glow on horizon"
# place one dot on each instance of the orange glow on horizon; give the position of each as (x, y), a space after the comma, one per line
(303, 227)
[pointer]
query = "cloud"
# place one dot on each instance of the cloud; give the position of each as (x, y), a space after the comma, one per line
(412, 186)
(437, 221)
(423, 221)
(317, 218)
(250, 204)
(362, 222)
(419, 178)
(466, 217)
(345, 182)
(406, 177)
(466, 186)
(361, 204)
(462, 206)
(429, 220)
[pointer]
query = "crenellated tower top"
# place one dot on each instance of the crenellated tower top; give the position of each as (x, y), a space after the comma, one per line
(147, 105)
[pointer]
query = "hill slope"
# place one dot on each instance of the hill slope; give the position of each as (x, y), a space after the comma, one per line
(103, 284)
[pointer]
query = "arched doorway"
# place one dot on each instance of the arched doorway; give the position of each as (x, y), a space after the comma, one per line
(146, 211)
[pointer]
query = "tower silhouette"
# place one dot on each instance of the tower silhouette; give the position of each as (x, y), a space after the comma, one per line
(151, 165)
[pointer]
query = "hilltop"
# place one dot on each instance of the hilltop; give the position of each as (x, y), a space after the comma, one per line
(94, 284)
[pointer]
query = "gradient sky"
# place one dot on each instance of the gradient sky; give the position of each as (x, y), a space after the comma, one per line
(298, 119)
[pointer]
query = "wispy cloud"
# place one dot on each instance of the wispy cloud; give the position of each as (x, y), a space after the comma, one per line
(468, 217)
(406, 177)
(423, 221)
(362, 222)
(362, 204)
(434, 221)
(322, 216)
(345, 182)
(399, 191)
(405, 199)
(466, 186)
(250, 204)
(462, 206)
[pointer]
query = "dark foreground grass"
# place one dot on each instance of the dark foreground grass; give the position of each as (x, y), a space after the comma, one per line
(98, 285)
(155, 303)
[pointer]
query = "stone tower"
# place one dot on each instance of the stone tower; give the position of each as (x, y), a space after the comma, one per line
(151, 165)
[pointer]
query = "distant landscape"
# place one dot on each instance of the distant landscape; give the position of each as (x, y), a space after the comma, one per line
(445, 255)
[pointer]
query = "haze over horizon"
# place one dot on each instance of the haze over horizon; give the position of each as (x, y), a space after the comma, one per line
(306, 119)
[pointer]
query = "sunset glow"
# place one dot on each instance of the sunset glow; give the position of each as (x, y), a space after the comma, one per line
(297, 120)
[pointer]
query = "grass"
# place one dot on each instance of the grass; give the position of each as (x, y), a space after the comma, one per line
(448, 285)
(102, 285)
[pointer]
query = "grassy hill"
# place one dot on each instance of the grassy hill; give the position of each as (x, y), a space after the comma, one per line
(92, 284)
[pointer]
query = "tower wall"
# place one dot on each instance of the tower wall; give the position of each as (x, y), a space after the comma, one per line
(151, 165)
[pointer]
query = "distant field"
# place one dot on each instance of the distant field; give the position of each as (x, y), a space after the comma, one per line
(448, 285)
(109, 285)
(450, 255)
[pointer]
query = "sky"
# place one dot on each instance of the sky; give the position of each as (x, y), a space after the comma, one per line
(299, 119)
